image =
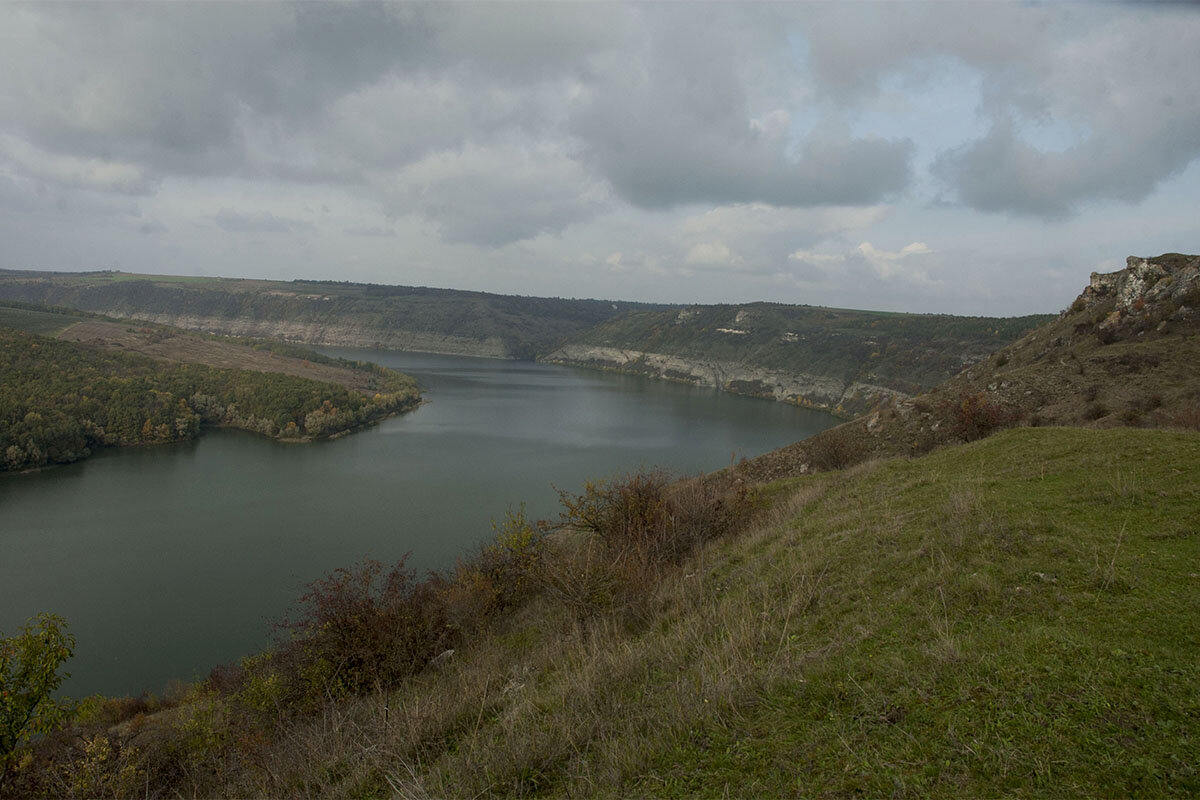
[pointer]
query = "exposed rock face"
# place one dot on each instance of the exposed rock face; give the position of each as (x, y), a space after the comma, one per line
(335, 335)
(805, 389)
(1143, 278)
(1162, 290)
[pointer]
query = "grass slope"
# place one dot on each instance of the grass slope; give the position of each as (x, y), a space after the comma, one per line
(1012, 617)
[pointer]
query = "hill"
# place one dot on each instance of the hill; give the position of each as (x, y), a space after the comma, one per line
(1010, 617)
(97, 383)
(841, 360)
(324, 312)
(1013, 615)
(834, 359)
(1125, 354)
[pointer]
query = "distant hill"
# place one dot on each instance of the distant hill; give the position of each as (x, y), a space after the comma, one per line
(843, 361)
(837, 359)
(325, 312)
(1126, 353)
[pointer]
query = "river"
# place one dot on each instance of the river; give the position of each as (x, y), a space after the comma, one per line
(168, 560)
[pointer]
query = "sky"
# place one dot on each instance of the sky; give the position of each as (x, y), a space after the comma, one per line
(968, 158)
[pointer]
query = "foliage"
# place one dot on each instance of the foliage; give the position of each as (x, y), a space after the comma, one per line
(836, 448)
(636, 527)
(29, 664)
(500, 577)
(973, 416)
(59, 401)
(364, 628)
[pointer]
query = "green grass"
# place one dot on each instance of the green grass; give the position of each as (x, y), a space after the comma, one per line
(43, 323)
(1014, 617)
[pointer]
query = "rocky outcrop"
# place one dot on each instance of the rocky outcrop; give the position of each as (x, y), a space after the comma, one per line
(335, 334)
(825, 392)
(1149, 292)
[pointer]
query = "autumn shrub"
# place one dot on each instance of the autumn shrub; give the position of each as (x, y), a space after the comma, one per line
(973, 416)
(29, 664)
(1187, 417)
(837, 448)
(619, 536)
(499, 577)
(362, 628)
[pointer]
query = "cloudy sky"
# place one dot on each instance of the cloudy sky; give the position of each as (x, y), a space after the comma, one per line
(977, 158)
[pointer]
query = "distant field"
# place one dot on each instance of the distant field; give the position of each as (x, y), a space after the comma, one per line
(44, 323)
(120, 277)
(188, 348)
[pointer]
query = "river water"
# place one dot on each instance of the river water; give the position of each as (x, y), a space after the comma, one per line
(169, 560)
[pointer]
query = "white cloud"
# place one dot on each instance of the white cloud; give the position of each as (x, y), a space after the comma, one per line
(712, 254)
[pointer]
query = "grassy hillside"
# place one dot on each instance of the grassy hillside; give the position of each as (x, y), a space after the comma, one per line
(906, 352)
(523, 325)
(1012, 617)
(1124, 354)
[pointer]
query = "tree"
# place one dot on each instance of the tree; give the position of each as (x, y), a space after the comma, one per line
(29, 665)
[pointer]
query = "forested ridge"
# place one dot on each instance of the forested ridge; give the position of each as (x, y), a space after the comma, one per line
(59, 401)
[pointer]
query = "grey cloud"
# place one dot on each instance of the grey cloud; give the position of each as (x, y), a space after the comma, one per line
(1122, 78)
(259, 222)
(672, 126)
(1134, 98)
(369, 231)
(151, 227)
(495, 196)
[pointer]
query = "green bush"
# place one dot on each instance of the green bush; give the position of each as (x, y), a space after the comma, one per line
(29, 664)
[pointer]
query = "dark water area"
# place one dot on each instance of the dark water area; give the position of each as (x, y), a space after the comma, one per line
(169, 560)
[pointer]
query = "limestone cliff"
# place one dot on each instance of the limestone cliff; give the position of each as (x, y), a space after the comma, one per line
(336, 334)
(809, 389)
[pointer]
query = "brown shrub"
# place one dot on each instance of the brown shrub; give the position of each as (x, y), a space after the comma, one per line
(973, 416)
(836, 448)
(620, 535)
(363, 628)
(501, 576)
(1187, 417)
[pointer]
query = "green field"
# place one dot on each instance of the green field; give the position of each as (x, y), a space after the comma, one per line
(44, 323)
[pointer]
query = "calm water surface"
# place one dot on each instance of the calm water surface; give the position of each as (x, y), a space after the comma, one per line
(168, 560)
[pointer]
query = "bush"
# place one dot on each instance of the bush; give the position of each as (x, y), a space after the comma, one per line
(622, 534)
(973, 416)
(1187, 417)
(364, 628)
(500, 577)
(837, 448)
